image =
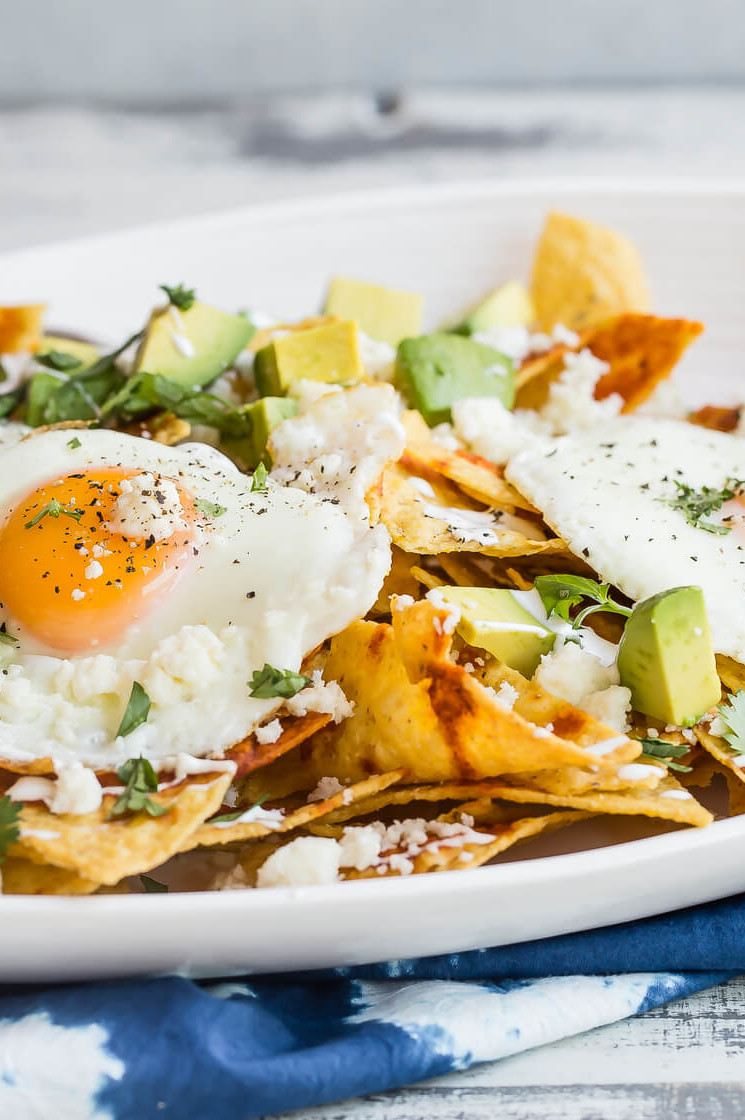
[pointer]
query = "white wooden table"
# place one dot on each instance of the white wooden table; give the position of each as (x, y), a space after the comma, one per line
(70, 171)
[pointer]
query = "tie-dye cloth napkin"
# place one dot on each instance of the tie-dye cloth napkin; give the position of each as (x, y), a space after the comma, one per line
(249, 1047)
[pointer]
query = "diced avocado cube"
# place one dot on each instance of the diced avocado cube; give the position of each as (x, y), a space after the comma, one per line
(85, 352)
(327, 353)
(666, 657)
(492, 619)
(382, 313)
(436, 370)
(507, 306)
(262, 417)
(192, 347)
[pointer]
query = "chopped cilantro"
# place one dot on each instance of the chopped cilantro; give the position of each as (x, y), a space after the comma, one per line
(10, 812)
(152, 886)
(559, 593)
(224, 818)
(74, 443)
(137, 710)
(6, 638)
(179, 296)
(662, 751)
(695, 505)
(140, 780)
(9, 401)
(732, 711)
(269, 682)
(209, 508)
(59, 361)
(54, 509)
(260, 478)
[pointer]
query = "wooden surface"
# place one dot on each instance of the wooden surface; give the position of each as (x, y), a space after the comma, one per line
(68, 171)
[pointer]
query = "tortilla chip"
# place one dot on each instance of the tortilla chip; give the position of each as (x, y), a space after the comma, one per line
(400, 580)
(402, 511)
(297, 813)
(583, 273)
(720, 750)
(21, 876)
(731, 672)
(415, 709)
(20, 328)
(715, 418)
(641, 351)
(479, 478)
(250, 754)
(109, 850)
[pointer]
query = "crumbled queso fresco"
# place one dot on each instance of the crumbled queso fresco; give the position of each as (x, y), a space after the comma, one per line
(147, 507)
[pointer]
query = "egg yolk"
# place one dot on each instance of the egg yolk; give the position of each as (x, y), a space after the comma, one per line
(69, 577)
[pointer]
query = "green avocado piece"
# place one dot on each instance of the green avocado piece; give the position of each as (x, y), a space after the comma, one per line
(262, 416)
(435, 370)
(192, 347)
(492, 619)
(666, 657)
(507, 306)
(329, 352)
(382, 313)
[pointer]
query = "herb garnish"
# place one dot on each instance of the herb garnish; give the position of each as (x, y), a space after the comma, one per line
(7, 638)
(224, 818)
(74, 443)
(59, 361)
(137, 710)
(152, 886)
(209, 508)
(269, 682)
(54, 509)
(697, 504)
(732, 712)
(260, 478)
(181, 297)
(10, 812)
(559, 593)
(662, 751)
(140, 780)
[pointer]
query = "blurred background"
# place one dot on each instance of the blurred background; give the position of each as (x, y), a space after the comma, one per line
(116, 114)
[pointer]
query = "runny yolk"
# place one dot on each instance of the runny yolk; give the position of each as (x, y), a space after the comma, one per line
(68, 577)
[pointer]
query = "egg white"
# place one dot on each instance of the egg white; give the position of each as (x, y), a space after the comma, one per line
(606, 492)
(276, 574)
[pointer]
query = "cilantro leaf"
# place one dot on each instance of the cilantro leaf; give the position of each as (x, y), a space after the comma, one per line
(140, 780)
(179, 296)
(259, 481)
(81, 395)
(732, 711)
(269, 682)
(54, 509)
(136, 712)
(9, 402)
(74, 443)
(6, 638)
(224, 818)
(560, 593)
(10, 813)
(209, 508)
(695, 505)
(152, 886)
(662, 751)
(59, 361)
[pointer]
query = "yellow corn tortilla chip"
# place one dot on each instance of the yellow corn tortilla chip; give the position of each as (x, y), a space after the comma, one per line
(731, 672)
(716, 418)
(402, 511)
(416, 709)
(399, 581)
(109, 850)
(641, 351)
(20, 328)
(296, 814)
(250, 754)
(583, 273)
(477, 477)
(21, 876)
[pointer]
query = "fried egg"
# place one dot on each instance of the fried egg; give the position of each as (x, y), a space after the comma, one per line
(123, 560)
(610, 494)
